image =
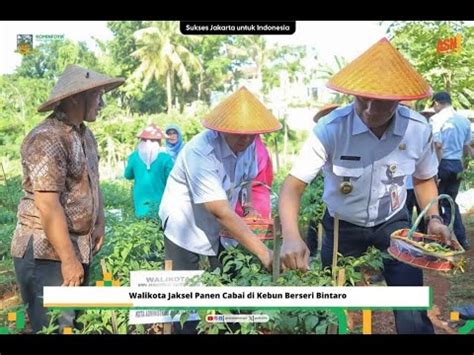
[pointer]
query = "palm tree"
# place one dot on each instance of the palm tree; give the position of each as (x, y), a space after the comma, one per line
(328, 71)
(252, 47)
(163, 56)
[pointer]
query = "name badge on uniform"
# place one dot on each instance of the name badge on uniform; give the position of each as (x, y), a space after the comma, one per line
(394, 197)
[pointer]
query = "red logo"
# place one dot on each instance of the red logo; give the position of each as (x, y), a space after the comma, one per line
(449, 45)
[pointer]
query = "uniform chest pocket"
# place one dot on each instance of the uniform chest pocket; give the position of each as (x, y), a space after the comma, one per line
(348, 176)
(352, 172)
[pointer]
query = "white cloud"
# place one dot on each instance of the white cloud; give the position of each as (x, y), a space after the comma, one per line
(343, 38)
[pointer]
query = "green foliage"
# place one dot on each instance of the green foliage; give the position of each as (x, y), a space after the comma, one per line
(130, 245)
(327, 71)
(103, 322)
(282, 58)
(467, 175)
(4, 316)
(48, 60)
(10, 193)
(53, 327)
(164, 56)
(312, 205)
(116, 131)
(123, 45)
(242, 269)
(417, 41)
(19, 98)
(215, 71)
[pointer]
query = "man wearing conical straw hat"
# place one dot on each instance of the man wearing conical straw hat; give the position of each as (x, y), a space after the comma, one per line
(204, 185)
(366, 150)
(60, 218)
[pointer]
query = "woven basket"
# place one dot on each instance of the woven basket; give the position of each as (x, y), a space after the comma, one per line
(427, 251)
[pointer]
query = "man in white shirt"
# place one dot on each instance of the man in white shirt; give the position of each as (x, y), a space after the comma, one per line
(367, 150)
(204, 185)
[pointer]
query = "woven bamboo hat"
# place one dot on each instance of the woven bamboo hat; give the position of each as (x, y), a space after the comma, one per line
(152, 132)
(381, 72)
(75, 80)
(241, 113)
(326, 109)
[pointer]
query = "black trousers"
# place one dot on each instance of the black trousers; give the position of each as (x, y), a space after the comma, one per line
(184, 259)
(34, 274)
(449, 184)
(312, 237)
(187, 260)
(354, 241)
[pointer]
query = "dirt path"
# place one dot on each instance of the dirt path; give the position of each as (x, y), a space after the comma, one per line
(448, 290)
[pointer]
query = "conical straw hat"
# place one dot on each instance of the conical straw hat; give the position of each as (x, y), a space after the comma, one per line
(241, 113)
(326, 109)
(152, 132)
(76, 79)
(381, 72)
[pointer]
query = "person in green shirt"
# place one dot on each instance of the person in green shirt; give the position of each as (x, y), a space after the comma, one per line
(149, 165)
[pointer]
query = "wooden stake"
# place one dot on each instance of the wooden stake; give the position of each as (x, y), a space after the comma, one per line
(276, 249)
(113, 315)
(166, 327)
(335, 246)
(338, 276)
(320, 237)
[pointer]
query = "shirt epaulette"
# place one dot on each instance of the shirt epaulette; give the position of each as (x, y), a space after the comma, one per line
(337, 114)
(410, 114)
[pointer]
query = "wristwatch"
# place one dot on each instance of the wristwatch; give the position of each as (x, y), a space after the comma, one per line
(433, 216)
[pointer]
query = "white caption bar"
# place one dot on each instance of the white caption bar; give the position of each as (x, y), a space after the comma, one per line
(235, 297)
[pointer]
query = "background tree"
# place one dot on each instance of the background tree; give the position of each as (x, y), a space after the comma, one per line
(452, 71)
(216, 68)
(48, 60)
(327, 71)
(164, 57)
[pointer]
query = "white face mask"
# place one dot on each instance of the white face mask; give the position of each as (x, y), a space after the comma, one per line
(148, 151)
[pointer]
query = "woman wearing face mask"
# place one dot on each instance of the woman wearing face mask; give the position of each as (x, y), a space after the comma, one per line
(174, 140)
(149, 165)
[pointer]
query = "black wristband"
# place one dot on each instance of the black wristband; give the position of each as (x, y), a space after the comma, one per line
(433, 216)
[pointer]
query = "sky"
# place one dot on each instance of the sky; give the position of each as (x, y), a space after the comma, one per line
(342, 38)
(74, 30)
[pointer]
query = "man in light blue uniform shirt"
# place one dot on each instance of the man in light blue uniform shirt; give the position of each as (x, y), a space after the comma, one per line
(452, 140)
(366, 150)
(204, 185)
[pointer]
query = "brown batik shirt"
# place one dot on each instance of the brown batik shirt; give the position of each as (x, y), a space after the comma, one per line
(60, 157)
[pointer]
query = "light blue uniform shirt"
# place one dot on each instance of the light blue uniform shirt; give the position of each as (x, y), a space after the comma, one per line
(409, 183)
(453, 134)
(205, 170)
(344, 147)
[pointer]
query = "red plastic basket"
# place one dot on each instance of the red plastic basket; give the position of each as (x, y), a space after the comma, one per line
(261, 227)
